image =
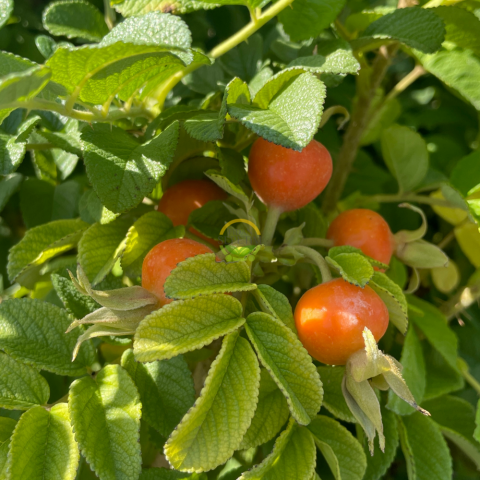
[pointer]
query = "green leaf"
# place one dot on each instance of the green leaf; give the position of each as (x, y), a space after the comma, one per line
(434, 325)
(288, 363)
(476, 434)
(393, 297)
(353, 267)
(416, 27)
(165, 388)
(101, 246)
(406, 155)
(333, 399)
(225, 184)
(462, 27)
(378, 464)
(76, 303)
(92, 210)
(283, 111)
(465, 175)
(342, 451)
(153, 28)
(276, 304)
(308, 18)
(43, 446)
(34, 333)
(293, 456)
(6, 9)
(7, 425)
(167, 474)
(232, 165)
(21, 386)
(457, 69)
(75, 19)
(413, 373)
(203, 275)
(186, 325)
(105, 413)
(425, 450)
(41, 244)
(244, 60)
(271, 414)
(210, 218)
(341, 61)
(8, 186)
(140, 7)
(149, 230)
(228, 398)
(121, 171)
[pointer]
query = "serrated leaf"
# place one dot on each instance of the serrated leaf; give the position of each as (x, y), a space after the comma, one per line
(186, 325)
(165, 388)
(8, 186)
(6, 9)
(413, 373)
(101, 246)
(34, 332)
(333, 399)
(41, 244)
(288, 363)
(308, 18)
(283, 111)
(153, 28)
(228, 398)
(434, 325)
(140, 7)
(244, 60)
(393, 297)
(406, 155)
(271, 414)
(225, 184)
(121, 171)
(293, 456)
(21, 386)
(105, 413)
(342, 451)
(276, 304)
(353, 267)
(75, 19)
(7, 426)
(342, 61)
(425, 450)
(43, 446)
(203, 275)
(210, 218)
(416, 27)
(149, 230)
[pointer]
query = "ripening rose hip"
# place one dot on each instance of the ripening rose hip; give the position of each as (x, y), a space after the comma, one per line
(286, 179)
(180, 200)
(162, 259)
(330, 319)
(366, 230)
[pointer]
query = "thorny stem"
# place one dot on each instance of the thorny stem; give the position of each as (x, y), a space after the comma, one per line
(318, 259)
(270, 224)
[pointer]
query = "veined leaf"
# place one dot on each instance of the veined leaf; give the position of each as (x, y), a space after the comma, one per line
(293, 456)
(425, 450)
(333, 399)
(342, 451)
(417, 27)
(92, 211)
(165, 388)
(105, 413)
(228, 398)
(6, 9)
(288, 362)
(202, 274)
(7, 426)
(413, 373)
(271, 414)
(21, 386)
(225, 184)
(140, 7)
(149, 230)
(101, 246)
(186, 325)
(283, 111)
(353, 267)
(41, 244)
(339, 62)
(277, 305)
(75, 19)
(121, 170)
(43, 446)
(34, 333)
(308, 18)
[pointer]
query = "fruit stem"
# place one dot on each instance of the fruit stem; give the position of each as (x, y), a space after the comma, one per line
(270, 224)
(316, 258)
(317, 242)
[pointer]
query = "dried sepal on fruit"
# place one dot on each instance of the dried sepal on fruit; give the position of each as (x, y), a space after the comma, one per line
(367, 369)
